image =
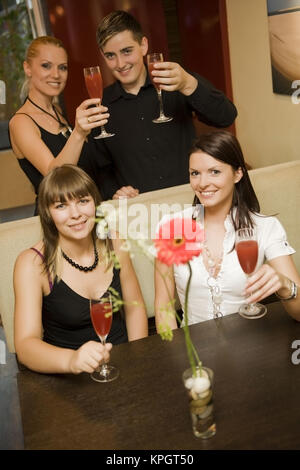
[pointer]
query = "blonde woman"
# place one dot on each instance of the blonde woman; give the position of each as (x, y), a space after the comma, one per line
(55, 279)
(40, 135)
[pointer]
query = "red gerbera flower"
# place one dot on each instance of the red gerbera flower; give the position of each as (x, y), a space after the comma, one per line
(178, 241)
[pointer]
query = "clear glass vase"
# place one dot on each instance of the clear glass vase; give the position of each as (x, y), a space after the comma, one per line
(200, 393)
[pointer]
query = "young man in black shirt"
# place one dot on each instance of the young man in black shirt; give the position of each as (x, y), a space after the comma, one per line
(142, 155)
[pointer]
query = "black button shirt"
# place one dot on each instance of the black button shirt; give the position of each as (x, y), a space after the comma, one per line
(151, 156)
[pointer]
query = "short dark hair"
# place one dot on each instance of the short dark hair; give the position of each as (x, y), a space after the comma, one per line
(225, 147)
(117, 22)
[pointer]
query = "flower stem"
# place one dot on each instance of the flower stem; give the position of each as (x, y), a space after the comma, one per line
(191, 351)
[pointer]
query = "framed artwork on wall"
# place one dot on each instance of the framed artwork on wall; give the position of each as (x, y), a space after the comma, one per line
(284, 35)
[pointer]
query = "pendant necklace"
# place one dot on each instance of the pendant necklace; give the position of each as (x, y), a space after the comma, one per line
(86, 269)
(213, 267)
(66, 127)
(215, 290)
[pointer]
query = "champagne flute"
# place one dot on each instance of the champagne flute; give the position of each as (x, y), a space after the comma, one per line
(151, 59)
(101, 315)
(94, 85)
(247, 251)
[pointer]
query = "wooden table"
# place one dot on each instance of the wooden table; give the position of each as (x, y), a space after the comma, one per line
(257, 390)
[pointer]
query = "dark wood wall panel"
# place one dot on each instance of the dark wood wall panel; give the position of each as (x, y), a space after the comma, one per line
(191, 32)
(200, 37)
(198, 40)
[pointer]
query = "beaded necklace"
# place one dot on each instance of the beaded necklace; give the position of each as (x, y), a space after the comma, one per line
(83, 268)
(65, 127)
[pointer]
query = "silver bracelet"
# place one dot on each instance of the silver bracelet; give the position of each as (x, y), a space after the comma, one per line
(293, 292)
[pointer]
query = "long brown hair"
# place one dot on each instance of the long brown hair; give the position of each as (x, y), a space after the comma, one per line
(64, 183)
(225, 147)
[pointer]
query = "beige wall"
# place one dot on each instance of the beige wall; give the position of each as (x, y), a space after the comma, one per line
(15, 188)
(268, 125)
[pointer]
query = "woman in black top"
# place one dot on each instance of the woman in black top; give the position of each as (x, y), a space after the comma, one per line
(40, 135)
(55, 279)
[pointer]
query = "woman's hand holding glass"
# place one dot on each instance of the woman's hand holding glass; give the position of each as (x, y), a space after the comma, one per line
(266, 281)
(246, 246)
(89, 356)
(94, 86)
(89, 115)
(101, 311)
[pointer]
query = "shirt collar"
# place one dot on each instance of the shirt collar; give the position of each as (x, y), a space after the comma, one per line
(116, 91)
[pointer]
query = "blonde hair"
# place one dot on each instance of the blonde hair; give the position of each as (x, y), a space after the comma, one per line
(32, 52)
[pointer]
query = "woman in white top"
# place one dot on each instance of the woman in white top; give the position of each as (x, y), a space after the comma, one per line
(220, 180)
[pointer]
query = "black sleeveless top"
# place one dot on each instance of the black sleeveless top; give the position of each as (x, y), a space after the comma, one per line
(66, 317)
(55, 143)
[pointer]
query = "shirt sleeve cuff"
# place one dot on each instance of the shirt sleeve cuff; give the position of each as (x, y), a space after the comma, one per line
(201, 95)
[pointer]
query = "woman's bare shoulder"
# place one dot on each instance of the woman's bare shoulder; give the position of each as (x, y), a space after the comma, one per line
(23, 121)
(31, 257)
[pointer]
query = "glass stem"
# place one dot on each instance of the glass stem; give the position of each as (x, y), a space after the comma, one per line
(188, 341)
(161, 111)
(251, 305)
(103, 367)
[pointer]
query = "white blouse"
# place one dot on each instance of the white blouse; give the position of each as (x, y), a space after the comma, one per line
(272, 242)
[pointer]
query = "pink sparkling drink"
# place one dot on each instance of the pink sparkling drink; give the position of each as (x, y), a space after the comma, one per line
(101, 314)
